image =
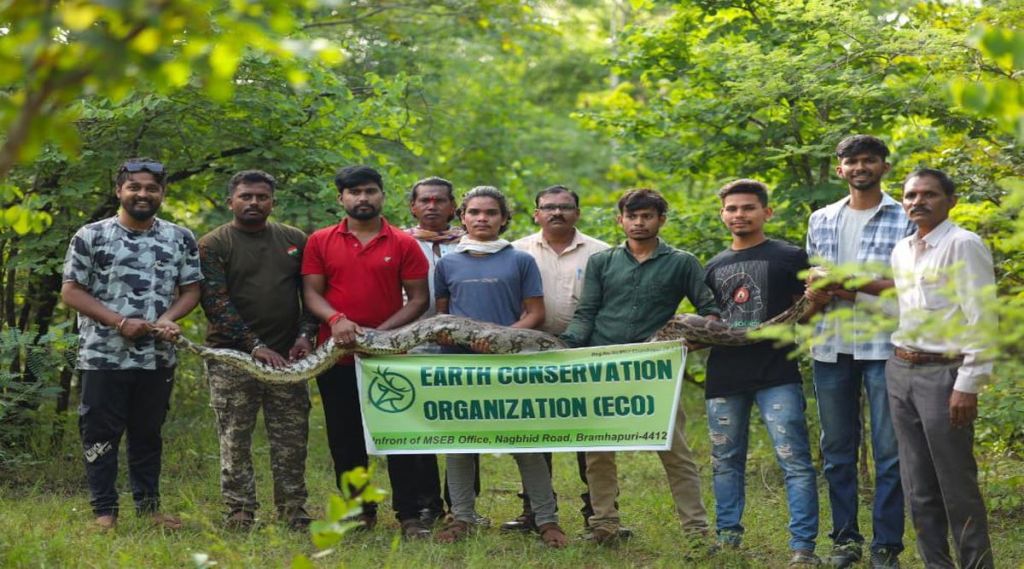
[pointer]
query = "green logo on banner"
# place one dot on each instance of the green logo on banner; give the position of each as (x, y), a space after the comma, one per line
(391, 392)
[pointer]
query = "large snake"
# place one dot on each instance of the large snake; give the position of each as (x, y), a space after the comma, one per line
(463, 332)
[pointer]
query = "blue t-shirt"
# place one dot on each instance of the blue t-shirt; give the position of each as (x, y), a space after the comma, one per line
(489, 288)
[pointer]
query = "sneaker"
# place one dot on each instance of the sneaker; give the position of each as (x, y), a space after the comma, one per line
(240, 520)
(845, 554)
(525, 523)
(726, 540)
(414, 528)
(885, 558)
(481, 521)
(803, 558)
(366, 521)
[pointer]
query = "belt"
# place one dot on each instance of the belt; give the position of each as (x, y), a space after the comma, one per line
(926, 357)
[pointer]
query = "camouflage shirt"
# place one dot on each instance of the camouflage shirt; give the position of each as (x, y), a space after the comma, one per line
(135, 274)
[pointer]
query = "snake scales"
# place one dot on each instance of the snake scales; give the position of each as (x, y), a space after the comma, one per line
(463, 332)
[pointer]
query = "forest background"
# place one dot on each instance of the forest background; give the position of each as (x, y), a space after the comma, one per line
(598, 95)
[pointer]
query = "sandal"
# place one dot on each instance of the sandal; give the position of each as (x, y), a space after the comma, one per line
(552, 535)
(455, 530)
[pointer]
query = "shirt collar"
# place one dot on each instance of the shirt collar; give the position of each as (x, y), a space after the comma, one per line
(935, 235)
(835, 208)
(577, 241)
(661, 249)
(385, 227)
(152, 228)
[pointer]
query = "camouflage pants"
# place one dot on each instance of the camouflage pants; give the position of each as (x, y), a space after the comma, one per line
(236, 398)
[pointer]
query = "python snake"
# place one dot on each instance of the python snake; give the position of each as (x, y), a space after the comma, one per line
(463, 331)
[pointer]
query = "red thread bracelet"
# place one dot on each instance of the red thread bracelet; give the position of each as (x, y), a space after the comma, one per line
(335, 317)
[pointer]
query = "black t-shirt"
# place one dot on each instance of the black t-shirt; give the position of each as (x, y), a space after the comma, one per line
(751, 286)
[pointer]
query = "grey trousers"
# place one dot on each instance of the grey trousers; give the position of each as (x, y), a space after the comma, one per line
(532, 469)
(940, 476)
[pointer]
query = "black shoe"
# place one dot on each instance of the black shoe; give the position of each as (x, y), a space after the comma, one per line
(524, 523)
(885, 558)
(298, 518)
(366, 521)
(845, 554)
(414, 529)
(300, 523)
(429, 516)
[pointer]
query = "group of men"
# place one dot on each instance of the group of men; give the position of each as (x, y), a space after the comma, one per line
(267, 289)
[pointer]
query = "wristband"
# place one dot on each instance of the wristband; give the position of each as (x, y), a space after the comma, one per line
(335, 317)
(256, 347)
(121, 324)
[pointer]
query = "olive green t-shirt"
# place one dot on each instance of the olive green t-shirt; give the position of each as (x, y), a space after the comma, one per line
(252, 288)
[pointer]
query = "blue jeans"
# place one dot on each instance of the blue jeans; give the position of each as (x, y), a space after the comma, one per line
(782, 410)
(838, 389)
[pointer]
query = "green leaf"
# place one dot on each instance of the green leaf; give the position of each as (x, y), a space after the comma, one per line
(336, 508)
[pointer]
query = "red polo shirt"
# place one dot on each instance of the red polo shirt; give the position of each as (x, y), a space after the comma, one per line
(363, 281)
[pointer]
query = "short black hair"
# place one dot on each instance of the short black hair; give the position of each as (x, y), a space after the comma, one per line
(947, 183)
(352, 176)
(432, 181)
(487, 192)
(251, 177)
(146, 164)
(556, 189)
(642, 198)
(745, 186)
(861, 144)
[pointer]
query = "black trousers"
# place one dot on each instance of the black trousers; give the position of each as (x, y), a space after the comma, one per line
(114, 402)
(344, 421)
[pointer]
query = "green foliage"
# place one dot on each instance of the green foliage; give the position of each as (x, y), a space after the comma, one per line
(357, 488)
(1001, 96)
(44, 358)
(55, 53)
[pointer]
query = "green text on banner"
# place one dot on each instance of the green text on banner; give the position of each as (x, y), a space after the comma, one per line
(601, 398)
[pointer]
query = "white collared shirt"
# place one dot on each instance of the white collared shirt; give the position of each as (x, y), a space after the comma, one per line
(562, 275)
(944, 283)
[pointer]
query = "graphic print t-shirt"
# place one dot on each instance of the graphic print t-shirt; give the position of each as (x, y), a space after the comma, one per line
(751, 286)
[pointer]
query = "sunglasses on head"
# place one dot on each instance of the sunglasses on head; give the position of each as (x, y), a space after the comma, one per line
(151, 167)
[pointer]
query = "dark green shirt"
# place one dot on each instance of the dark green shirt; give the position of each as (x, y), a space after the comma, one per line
(252, 292)
(625, 301)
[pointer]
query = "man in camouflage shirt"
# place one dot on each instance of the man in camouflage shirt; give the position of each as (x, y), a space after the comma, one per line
(251, 299)
(130, 277)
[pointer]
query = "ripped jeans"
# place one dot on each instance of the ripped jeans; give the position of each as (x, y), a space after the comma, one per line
(782, 410)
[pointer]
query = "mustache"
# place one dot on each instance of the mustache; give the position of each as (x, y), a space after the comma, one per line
(920, 210)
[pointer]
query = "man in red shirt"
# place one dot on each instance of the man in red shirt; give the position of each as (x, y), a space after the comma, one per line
(353, 275)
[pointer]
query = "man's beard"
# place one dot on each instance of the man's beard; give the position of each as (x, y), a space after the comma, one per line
(141, 215)
(363, 213)
(868, 184)
(252, 221)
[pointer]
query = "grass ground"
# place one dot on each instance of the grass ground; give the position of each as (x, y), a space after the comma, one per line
(44, 513)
